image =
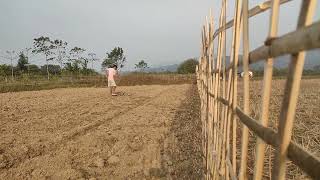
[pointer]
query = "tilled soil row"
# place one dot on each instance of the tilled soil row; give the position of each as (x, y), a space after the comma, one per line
(79, 135)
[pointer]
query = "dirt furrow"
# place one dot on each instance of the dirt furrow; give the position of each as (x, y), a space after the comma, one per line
(131, 137)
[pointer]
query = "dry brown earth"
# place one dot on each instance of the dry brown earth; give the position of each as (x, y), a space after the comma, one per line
(84, 133)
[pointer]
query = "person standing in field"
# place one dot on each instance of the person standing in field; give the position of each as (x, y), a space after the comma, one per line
(111, 74)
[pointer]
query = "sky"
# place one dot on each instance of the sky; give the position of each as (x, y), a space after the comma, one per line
(161, 32)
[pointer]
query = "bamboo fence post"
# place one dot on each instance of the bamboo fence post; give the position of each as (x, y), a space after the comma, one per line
(216, 95)
(290, 99)
(246, 90)
(207, 86)
(228, 125)
(223, 59)
(211, 60)
(234, 102)
(267, 81)
(230, 99)
(209, 98)
(224, 120)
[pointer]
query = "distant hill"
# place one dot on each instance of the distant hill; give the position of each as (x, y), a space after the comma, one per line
(166, 68)
(312, 60)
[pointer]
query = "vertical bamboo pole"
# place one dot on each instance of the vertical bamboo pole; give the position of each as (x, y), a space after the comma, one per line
(216, 95)
(224, 116)
(210, 59)
(228, 111)
(267, 81)
(223, 59)
(227, 149)
(204, 148)
(290, 99)
(246, 90)
(207, 84)
(235, 70)
(207, 131)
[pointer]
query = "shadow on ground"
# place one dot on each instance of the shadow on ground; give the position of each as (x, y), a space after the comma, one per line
(181, 153)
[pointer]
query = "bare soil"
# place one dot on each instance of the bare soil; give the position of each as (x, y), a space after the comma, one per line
(149, 132)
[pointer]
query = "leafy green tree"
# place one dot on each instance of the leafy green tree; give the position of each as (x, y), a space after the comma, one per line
(53, 69)
(61, 54)
(43, 45)
(116, 56)
(22, 63)
(68, 67)
(188, 66)
(5, 70)
(76, 56)
(72, 67)
(92, 58)
(142, 65)
(316, 68)
(34, 69)
(85, 62)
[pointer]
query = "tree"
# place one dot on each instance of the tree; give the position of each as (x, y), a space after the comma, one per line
(116, 56)
(53, 69)
(60, 47)
(92, 58)
(43, 45)
(34, 69)
(188, 66)
(22, 63)
(5, 70)
(141, 65)
(77, 58)
(11, 57)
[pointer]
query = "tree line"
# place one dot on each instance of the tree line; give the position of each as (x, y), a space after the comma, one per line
(60, 59)
(73, 61)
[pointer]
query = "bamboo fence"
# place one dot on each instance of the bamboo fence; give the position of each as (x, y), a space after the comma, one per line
(217, 84)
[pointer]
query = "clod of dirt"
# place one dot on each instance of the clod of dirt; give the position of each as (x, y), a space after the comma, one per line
(157, 172)
(113, 160)
(136, 144)
(99, 162)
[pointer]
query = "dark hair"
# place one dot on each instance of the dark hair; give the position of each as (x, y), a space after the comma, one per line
(115, 66)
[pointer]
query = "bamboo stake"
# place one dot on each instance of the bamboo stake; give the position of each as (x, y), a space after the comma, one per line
(229, 124)
(228, 112)
(290, 99)
(246, 95)
(223, 58)
(216, 94)
(267, 81)
(234, 102)
(224, 120)
(211, 59)
(209, 68)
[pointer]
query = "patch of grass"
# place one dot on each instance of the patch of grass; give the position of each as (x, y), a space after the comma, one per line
(40, 83)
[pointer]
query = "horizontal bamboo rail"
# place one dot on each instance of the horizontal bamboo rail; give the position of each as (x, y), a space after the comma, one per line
(252, 12)
(307, 38)
(300, 157)
(219, 108)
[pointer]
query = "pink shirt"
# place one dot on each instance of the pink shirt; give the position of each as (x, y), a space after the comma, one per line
(111, 73)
